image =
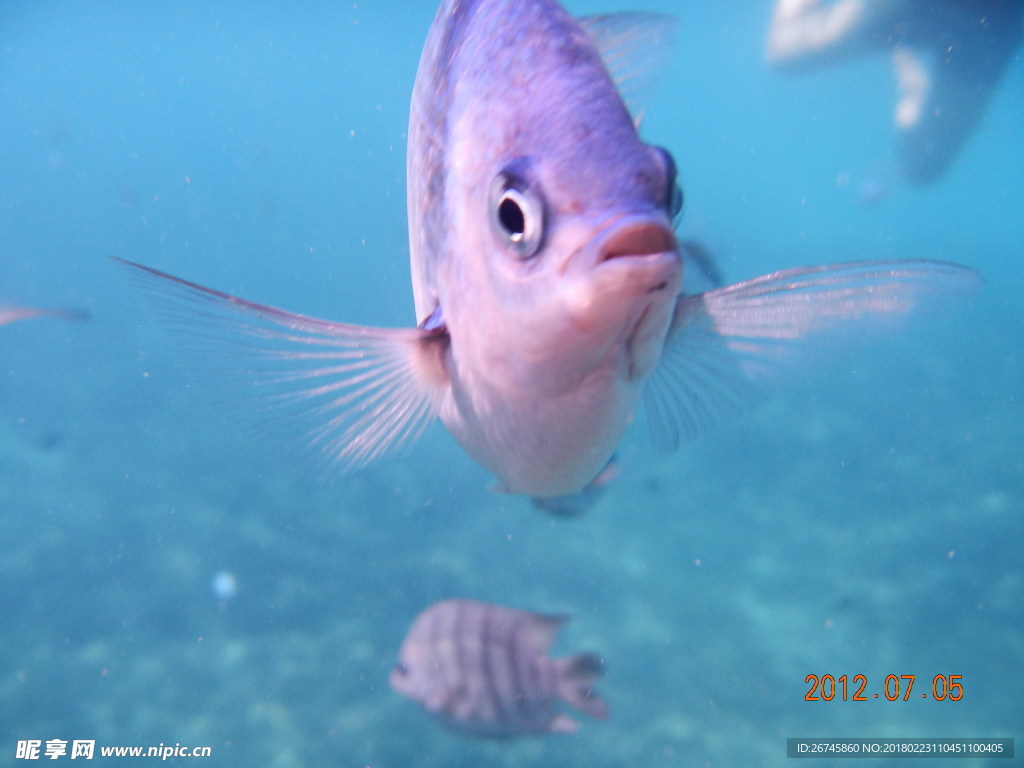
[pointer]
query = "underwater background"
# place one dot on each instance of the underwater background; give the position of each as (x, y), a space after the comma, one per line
(866, 520)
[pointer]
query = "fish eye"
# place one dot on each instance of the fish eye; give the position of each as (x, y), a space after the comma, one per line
(511, 216)
(401, 669)
(673, 192)
(517, 214)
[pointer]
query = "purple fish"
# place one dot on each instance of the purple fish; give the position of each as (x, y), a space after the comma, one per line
(13, 314)
(484, 669)
(546, 275)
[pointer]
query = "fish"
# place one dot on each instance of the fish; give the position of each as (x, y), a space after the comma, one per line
(9, 314)
(550, 307)
(484, 669)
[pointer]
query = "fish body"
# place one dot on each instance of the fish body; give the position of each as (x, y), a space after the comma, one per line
(484, 669)
(552, 340)
(547, 279)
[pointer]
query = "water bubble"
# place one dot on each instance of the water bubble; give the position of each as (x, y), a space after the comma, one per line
(224, 585)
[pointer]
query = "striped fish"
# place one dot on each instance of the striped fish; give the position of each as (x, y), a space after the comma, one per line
(484, 669)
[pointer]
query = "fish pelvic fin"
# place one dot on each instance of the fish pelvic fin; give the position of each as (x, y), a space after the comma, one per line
(575, 504)
(562, 723)
(725, 345)
(348, 393)
(577, 675)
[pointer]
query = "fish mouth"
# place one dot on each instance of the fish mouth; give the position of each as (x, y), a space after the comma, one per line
(644, 247)
(639, 239)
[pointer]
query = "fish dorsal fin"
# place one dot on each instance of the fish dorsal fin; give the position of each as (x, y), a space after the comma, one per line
(544, 628)
(636, 49)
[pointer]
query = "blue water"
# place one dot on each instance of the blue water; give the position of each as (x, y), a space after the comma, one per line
(866, 521)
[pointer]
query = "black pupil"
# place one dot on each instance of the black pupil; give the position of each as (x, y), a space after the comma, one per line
(511, 217)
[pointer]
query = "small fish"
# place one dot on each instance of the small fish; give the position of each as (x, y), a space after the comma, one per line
(547, 278)
(484, 669)
(13, 314)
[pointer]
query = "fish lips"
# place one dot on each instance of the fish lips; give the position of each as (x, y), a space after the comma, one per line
(635, 236)
(630, 258)
(639, 250)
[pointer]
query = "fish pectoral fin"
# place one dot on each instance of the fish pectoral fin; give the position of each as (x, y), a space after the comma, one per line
(725, 344)
(445, 700)
(636, 49)
(349, 393)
